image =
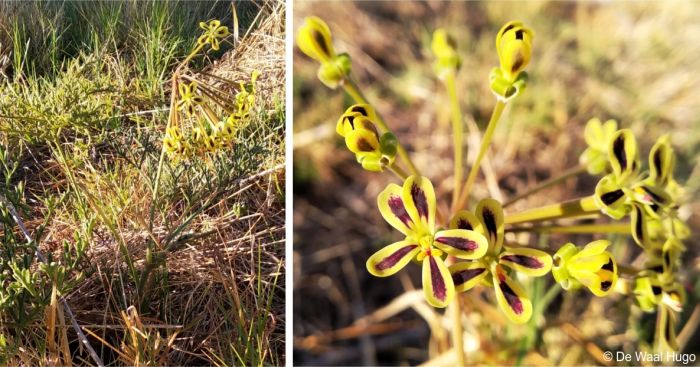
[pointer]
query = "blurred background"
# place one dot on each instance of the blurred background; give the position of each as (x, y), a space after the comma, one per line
(636, 62)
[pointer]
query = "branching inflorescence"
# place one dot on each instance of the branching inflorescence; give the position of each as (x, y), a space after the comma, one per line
(467, 248)
(194, 125)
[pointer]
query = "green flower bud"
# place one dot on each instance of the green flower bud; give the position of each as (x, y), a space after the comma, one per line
(333, 72)
(388, 144)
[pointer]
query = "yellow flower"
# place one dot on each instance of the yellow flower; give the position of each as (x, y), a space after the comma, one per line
(514, 47)
(411, 210)
(314, 40)
(624, 191)
(510, 295)
(213, 33)
(598, 136)
(591, 266)
(373, 151)
(189, 98)
(445, 50)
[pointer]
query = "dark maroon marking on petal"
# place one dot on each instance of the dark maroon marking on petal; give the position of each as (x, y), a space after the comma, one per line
(490, 223)
(657, 161)
(619, 151)
(610, 266)
(420, 200)
(360, 109)
(667, 258)
(639, 224)
(526, 261)
(392, 259)
(364, 146)
(610, 197)
(656, 290)
(605, 285)
(513, 300)
(669, 329)
(321, 42)
(654, 207)
(351, 120)
(464, 224)
(519, 61)
(656, 198)
(458, 243)
(464, 276)
(439, 287)
(397, 208)
(657, 269)
(508, 28)
(519, 34)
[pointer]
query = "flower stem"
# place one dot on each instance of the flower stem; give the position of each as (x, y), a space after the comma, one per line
(351, 89)
(457, 331)
(398, 171)
(485, 142)
(567, 209)
(457, 135)
(551, 182)
(623, 228)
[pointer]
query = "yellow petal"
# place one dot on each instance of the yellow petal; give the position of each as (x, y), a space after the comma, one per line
(611, 198)
(638, 221)
(666, 341)
(529, 261)
(362, 141)
(392, 258)
(392, 207)
(462, 243)
(466, 220)
(594, 248)
(438, 287)
(511, 297)
(419, 200)
(467, 274)
(593, 132)
(624, 154)
(314, 40)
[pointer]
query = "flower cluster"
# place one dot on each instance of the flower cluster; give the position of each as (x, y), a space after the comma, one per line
(651, 199)
(373, 151)
(207, 131)
(194, 126)
(472, 251)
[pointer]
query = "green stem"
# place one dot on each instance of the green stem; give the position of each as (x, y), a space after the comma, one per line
(457, 330)
(398, 171)
(351, 89)
(552, 181)
(457, 135)
(623, 228)
(567, 209)
(488, 135)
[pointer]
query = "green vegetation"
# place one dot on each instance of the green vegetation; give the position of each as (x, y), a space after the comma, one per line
(160, 262)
